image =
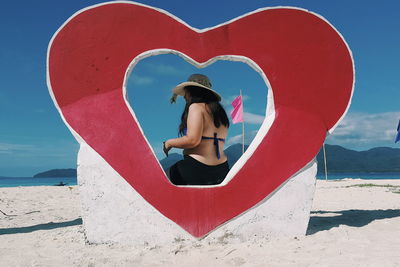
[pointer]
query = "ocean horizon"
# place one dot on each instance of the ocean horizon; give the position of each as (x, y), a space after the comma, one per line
(72, 181)
(355, 175)
(31, 181)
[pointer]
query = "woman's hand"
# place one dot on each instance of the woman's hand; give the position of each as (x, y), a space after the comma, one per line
(166, 147)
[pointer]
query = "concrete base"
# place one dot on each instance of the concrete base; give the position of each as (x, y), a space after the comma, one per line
(112, 211)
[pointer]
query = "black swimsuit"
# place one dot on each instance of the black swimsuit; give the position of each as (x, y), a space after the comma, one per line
(190, 171)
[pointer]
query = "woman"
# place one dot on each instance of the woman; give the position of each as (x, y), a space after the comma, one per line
(203, 129)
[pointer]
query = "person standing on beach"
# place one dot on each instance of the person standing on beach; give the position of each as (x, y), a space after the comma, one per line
(203, 130)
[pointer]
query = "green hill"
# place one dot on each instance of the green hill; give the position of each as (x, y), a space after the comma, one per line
(379, 159)
(57, 173)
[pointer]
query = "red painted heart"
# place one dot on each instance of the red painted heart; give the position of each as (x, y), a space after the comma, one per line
(307, 62)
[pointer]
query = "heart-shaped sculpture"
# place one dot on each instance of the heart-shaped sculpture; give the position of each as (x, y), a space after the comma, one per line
(307, 62)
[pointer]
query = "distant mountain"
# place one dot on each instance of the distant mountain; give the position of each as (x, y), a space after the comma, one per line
(57, 173)
(170, 160)
(234, 152)
(343, 160)
(340, 159)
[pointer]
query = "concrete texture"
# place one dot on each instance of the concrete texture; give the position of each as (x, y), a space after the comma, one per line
(112, 211)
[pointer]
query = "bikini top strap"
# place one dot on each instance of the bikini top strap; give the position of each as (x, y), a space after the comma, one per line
(215, 138)
(219, 139)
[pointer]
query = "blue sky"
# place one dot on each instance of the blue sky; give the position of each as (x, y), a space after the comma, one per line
(33, 137)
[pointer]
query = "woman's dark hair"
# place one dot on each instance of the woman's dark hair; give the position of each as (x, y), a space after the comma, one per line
(200, 95)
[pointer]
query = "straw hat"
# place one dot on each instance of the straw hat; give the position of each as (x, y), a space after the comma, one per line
(198, 80)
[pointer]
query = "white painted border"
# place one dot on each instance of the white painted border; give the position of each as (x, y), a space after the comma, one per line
(270, 110)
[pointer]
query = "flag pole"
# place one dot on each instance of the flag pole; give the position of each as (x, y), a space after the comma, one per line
(326, 168)
(242, 123)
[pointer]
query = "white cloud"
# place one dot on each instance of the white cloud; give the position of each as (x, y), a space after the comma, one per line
(164, 69)
(357, 131)
(6, 148)
(364, 129)
(50, 149)
(226, 101)
(237, 139)
(250, 118)
(141, 80)
(253, 118)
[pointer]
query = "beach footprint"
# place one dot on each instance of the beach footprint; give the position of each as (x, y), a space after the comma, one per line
(237, 261)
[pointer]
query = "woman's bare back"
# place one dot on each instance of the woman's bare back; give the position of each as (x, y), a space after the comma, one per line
(205, 152)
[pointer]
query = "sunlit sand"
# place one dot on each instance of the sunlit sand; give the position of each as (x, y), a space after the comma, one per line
(353, 223)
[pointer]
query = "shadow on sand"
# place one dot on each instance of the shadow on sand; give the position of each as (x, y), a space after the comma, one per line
(355, 218)
(44, 226)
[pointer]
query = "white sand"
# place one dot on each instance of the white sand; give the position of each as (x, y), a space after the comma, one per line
(349, 226)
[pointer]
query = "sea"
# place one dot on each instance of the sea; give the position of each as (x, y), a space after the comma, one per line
(30, 181)
(365, 176)
(71, 181)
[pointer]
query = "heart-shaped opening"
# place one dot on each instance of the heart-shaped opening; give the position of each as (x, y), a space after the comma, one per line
(148, 84)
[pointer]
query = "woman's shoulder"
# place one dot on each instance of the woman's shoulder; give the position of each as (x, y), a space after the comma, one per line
(197, 107)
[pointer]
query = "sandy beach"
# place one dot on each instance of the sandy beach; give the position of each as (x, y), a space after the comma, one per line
(353, 223)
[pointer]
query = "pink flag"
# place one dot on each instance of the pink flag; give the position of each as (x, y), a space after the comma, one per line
(237, 112)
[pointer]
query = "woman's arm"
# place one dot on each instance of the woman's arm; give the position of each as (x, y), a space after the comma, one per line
(194, 129)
